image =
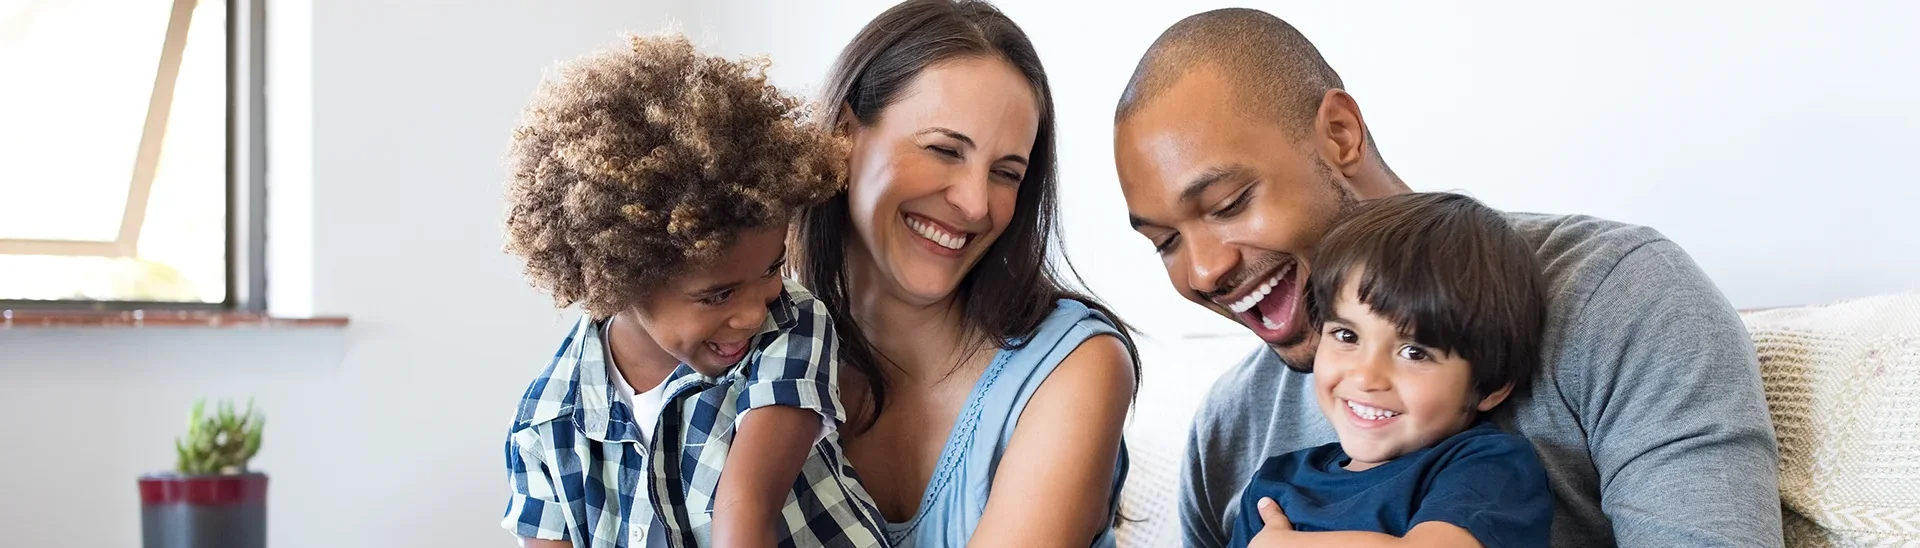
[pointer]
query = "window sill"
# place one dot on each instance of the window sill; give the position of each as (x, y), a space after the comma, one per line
(136, 319)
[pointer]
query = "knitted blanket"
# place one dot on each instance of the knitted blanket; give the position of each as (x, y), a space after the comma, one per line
(1843, 385)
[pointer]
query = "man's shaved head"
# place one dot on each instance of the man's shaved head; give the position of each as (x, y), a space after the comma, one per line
(1275, 72)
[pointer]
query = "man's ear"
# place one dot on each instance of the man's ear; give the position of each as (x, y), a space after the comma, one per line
(1341, 132)
(1493, 400)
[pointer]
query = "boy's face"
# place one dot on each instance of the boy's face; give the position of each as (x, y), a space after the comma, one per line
(1385, 394)
(706, 317)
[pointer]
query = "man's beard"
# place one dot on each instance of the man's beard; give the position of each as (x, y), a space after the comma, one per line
(1341, 193)
(1297, 351)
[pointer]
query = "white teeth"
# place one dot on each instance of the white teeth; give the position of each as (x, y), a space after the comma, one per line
(938, 236)
(1270, 324)
(1369, 412)
(1259, 293)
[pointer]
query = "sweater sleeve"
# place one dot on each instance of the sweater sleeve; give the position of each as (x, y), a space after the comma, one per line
(1671, 401)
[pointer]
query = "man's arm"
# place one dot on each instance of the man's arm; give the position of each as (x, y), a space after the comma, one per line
(1676, 420)
(1200, 521)
(768, 450)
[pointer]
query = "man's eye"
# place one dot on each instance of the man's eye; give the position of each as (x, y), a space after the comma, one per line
(1166, 246)
(1414, 353)
(1234, 207)
(1343, 335)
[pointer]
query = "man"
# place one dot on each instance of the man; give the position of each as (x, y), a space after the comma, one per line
(1237, 150)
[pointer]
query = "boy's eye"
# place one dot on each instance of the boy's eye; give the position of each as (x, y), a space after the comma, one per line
(717, 299)
(1343, 335)
(1414, 353)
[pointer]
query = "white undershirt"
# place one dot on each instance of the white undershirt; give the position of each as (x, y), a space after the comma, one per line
(646, 408)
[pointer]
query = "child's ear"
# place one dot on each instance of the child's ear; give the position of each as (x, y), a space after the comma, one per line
(1493, 400)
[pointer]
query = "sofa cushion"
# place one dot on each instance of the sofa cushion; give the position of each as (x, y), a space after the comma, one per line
(1843, 385)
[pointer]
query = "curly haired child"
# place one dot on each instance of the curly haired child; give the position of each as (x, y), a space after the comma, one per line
(653, 186)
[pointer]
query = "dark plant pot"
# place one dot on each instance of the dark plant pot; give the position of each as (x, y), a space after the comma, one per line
(225, 511)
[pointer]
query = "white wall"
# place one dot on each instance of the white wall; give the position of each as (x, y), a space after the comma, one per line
(388, 433)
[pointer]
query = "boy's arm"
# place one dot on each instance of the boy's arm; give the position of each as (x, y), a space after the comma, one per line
(769, 447)
(1490, 490)
(789, 400)
(534, 514)
(1278, 533)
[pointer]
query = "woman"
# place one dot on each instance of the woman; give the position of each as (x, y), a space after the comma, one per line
(989, 400)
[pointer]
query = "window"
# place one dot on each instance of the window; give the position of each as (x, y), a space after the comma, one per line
(129, 153)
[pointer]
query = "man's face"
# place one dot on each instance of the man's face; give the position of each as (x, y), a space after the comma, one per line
(1233, 206)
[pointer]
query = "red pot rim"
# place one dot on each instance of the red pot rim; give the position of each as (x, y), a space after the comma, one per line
(204, 490)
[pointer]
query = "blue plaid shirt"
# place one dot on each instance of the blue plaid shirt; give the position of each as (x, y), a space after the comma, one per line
(575, 461)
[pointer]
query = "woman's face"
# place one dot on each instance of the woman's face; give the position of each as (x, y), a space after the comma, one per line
(934, 180)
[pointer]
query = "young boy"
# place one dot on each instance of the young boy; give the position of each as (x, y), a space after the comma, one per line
(1429, 310)
(654, 186)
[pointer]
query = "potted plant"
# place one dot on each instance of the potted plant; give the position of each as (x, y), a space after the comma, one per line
(211, 499)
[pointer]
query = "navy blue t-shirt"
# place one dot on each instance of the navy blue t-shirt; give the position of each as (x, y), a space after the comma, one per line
(1483, 480)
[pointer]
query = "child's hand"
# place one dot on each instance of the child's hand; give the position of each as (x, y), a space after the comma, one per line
(1276, 530)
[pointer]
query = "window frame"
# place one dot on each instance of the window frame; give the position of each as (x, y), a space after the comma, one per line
(246, 154)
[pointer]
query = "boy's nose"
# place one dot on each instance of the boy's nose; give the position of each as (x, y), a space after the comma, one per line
(1371, 375)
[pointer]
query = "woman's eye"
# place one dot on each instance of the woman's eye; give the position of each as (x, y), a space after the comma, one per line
(944, 151)
(1008, 175)
(1343, 335)
(1413, 353)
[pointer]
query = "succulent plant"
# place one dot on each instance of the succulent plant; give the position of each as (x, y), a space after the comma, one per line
(219, 444)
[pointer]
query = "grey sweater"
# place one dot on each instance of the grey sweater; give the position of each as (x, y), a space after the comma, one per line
(1647, 412)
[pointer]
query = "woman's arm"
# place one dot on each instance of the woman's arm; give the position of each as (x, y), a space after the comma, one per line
(765, 458)
(1055, 481)
(543, 543)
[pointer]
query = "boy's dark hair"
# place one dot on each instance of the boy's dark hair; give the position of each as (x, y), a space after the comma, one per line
(1445, 269)
(636, 164)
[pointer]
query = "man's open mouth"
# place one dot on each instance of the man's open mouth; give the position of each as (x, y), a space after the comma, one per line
(1271, 308)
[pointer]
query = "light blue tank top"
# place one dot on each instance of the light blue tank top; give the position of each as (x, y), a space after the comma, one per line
(957, 495)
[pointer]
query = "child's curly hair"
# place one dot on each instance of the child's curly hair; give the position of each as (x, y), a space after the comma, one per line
(638, 163)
